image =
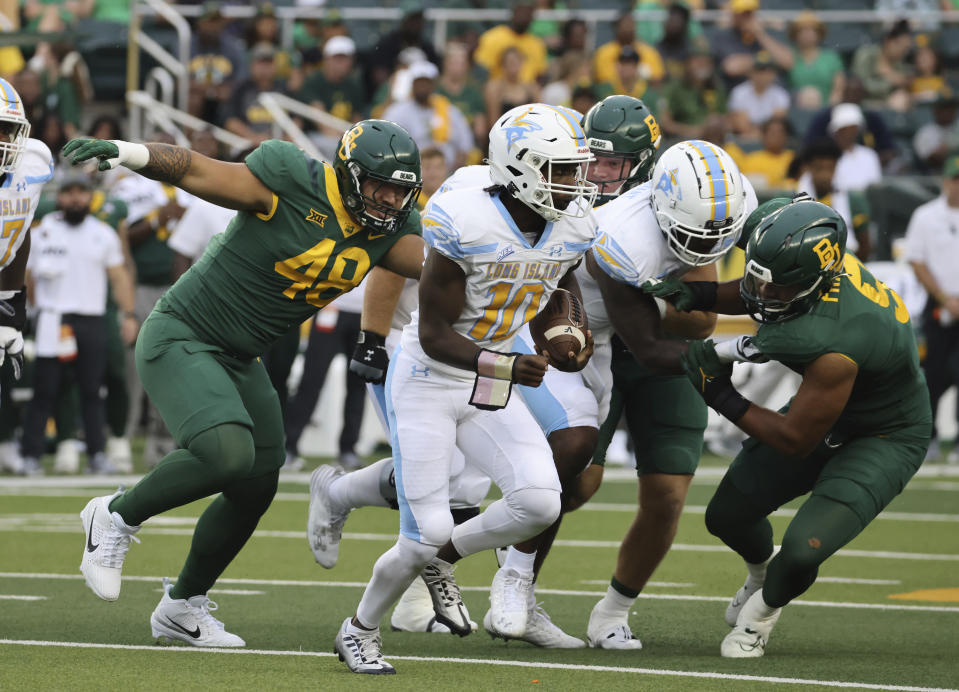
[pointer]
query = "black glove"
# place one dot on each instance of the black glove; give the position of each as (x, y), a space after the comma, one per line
(13, 316)
(712, 378)
(370, 359)
(684, 295)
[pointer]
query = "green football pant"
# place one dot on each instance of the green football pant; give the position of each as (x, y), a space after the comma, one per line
(665, 417)
(225, 415)
(849, 486)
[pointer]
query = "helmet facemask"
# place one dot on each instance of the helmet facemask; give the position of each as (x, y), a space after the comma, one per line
(699, 246)
(14, 132)
(375, 214)
(553, 200)
(768, 301)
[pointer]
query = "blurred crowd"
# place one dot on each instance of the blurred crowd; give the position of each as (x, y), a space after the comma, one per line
(794, 112)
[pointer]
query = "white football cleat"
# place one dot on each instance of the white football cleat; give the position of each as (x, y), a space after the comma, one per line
(448, 603)
(324, 524)
(540, 631)
(67, 459)
(189, 620)
(509, 598)
(414, 611)
(360, 650)
(119, 455)
(749, 637)
(107, 542)
(606, 631)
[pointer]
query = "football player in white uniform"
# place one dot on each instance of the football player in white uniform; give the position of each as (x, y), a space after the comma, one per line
(495, 256)
(25, 166)
(679, 223)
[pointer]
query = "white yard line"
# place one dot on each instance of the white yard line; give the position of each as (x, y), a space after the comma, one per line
(850, 580)
(487, 662)
(18, 597)
(485, 589)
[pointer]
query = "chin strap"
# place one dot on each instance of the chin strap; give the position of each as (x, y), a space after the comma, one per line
(494, 379)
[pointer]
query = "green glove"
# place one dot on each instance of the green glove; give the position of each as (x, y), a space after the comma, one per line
(683, 295)
(712, 378)
(111, 153)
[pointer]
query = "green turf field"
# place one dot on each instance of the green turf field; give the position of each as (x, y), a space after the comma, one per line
(884, 615)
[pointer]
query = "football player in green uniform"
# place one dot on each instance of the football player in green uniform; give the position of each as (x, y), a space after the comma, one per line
(854, 434)
(307, 232)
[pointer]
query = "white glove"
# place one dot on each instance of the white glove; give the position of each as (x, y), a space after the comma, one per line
(11, 344)
(739, 350)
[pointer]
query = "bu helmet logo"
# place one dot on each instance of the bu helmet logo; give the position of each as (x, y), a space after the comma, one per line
(407, 176)
(829, 253)
(653, 126)
(348, 143)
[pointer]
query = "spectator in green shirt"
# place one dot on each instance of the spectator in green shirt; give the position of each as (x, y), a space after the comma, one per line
(336, 86)
(883, 68)
(815, 73)
(456, 83)
(687, 102)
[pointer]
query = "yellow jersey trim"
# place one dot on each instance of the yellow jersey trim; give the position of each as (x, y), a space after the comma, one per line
(343, 217)
(273, 206)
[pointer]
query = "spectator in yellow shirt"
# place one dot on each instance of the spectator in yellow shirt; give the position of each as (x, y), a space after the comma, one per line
(768, 168)
(494, 42)
(606, 56)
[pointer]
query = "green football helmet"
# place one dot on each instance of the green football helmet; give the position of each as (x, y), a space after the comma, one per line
(794, 253)
(621, 128)
(384, 152)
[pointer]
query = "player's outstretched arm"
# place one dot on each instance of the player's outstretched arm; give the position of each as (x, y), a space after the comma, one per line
(825, 389)
(230, 185)
(636, 319)
(686, 295)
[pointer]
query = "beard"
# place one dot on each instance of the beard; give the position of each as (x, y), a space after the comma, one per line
(75, 217)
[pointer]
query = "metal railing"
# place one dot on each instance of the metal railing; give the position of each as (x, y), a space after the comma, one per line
(145, 108)
(176, 65)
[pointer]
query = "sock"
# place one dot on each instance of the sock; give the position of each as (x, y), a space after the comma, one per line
(360, 488)
(757, 571)
(519, 561)
(615, 602)
(393, 572)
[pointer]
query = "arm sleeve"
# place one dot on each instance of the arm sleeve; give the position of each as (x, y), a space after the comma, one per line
(442, 234)
(613, 259)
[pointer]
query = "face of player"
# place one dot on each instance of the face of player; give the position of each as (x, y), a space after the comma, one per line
(565, 174)
(608, 172)
(384, 194)
(8, 130)
(776, 292)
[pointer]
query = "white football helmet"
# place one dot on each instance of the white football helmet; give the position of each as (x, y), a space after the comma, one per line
(14, 128)
(699, 200)
(526, 143)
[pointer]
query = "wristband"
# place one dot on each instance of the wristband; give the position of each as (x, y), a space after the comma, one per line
(132, 155)
(494, 379)
(730, 404)
(704, 295)
(368, 337)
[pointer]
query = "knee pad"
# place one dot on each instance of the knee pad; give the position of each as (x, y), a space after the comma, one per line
(536, 508)
(228, 448)
(436, 531)
(415, 553)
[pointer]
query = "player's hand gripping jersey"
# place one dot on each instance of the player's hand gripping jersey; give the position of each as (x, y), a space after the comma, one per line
(302, 255)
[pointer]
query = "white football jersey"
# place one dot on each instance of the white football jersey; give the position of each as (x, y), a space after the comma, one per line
(631, 248)
(19, 195)
(507, 280)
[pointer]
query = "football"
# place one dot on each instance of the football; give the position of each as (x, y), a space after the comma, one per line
(560, 327)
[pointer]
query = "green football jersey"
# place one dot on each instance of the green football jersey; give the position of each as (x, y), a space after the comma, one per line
(270, 271)
(865, 321)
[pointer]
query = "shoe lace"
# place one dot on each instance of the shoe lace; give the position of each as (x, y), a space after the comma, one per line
(515, 591)
(201, 608)
(441, 581)
(538, 612)
(115, 545)
(368, 646)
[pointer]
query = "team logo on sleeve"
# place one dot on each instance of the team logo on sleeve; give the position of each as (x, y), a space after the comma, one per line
(829, 253)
